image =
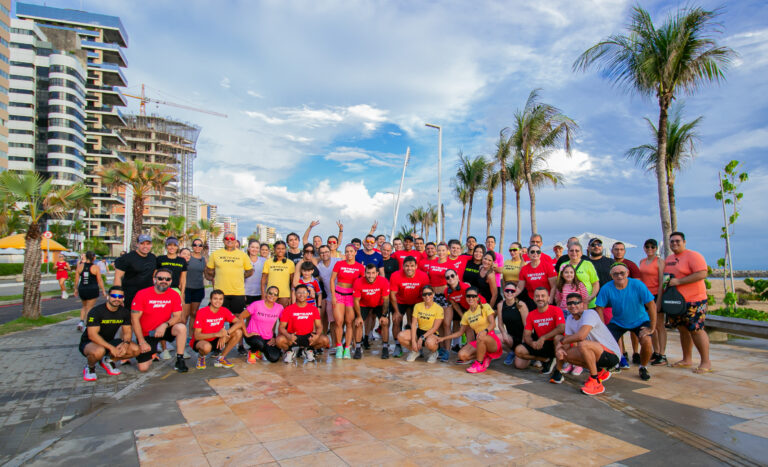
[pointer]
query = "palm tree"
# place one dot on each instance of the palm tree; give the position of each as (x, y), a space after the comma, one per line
(471, 173)
(540, 176)
(82, 204)
(539, 129)
(462, 195)
(405, 231)
(681, 149)
(207, 229)
(492, 180)
(416, 217)
(430, 219)
(35, 199)
(10, 220)
(173, 227)
(504, 147)
(143, 177)
(679, 56)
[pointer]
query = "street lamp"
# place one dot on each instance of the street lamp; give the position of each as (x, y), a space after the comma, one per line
(439, 175)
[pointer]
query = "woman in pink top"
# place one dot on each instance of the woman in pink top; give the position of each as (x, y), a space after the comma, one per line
(490, 244)
(260, 332)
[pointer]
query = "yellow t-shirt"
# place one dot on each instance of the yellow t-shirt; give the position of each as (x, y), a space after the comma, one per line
(477, 319)
(511, 270)
(426, 316)
(279, 274)
(229, 267)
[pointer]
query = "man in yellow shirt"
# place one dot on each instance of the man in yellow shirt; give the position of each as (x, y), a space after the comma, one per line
(227, 268)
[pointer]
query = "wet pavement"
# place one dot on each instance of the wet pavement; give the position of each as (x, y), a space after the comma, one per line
(374, 411)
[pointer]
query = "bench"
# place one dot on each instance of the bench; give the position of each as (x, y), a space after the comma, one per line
(739, 326)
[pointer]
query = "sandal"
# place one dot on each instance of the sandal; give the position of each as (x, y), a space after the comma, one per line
(702, 371)
(681, 365)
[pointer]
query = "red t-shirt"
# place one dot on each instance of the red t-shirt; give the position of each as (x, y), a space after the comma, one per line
(155, 308)
(347, 273)
(634, 271)
(301, 320)
(536, 277)
(457, 296)
(458, 264)
(436, 271)
(545, 258)
(209, 322)
(408, 289)
(424, 264)
(545, 322)
(402, 254)
(371, 295)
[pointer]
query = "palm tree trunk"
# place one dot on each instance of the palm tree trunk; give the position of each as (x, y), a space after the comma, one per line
(517, 206)
(442, 223)
(138, 219)
(31, 272)
(672, 207)
(503, 209)
(488, 213)
(463, 212)
(532, 196)
(661, 172)
(469, 211)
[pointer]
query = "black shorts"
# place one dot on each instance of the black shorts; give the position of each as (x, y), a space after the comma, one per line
(547, 351)
(365, 310)
(607, 360)
(618, 331)
(259, 343)
(214, 343)
(251, 298)
(234, 303)
(194, 295)
(114, 342)
(88, 293)
(405, 310)
(153, 341)
(420, 332)
(302, 340)
(442, 300)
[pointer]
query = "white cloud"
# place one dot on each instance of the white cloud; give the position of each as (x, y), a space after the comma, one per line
(225, 83)
(255, 94)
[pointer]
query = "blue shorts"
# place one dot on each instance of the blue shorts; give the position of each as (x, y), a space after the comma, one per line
(618, 331)
(194, 295)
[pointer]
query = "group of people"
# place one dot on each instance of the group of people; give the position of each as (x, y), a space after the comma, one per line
(566, 313)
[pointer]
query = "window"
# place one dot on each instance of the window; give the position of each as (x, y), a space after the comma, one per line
(22, 64)
(19, 118)
(22, 77)
(23, 105)
(21, 145)
(18, 91)
(15, 131)
(21, 45)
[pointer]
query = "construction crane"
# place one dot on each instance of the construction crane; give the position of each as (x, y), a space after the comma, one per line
(144, 99)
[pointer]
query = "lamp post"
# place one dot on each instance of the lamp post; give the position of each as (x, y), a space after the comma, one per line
(439, 175)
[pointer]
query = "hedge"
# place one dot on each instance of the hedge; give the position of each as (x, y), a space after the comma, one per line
(10, 269)
(744, 313)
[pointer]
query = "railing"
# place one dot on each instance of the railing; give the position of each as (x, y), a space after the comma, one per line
(738, 326)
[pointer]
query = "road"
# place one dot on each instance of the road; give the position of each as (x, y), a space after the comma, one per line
(50, 306)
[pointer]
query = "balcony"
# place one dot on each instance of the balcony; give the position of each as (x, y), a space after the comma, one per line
(112, 53)
(109, 115)
(108, 136)
(113, 197)
(110, 95)
(112, 75)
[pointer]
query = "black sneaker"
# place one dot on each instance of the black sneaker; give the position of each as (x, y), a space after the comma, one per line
(548, 366)
(180, 366)
(241, 349)
(366, 344)
(215, 352)
(557, 377)
(456, 348)
(385, 352)
(644, 374)
(636, 358)
(659, 360)
(358, 353)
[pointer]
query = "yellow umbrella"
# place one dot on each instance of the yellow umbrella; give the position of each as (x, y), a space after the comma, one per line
(17, 241)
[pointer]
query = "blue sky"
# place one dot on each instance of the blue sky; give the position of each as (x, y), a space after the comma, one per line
(324, 97)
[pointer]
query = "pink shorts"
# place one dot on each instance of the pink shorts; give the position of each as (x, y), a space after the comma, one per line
(607, 314)
(344, 296)
(492, 355)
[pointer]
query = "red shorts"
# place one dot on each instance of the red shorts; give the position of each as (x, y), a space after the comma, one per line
(492, 355)
(61, 275)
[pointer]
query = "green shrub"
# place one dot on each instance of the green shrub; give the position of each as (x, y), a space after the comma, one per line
(9, 269)
(744, 313)
(759, 287)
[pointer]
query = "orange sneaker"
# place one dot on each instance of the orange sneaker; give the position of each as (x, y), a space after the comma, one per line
(604, 375)
(593, 387)
(252, 357)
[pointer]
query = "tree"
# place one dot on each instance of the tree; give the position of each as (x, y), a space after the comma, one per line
(81, 204)
(416, 218)
(430, 219)
(678, 57)
(729, 194)
(143, 178)
(540, 176)
(405, 231)
(504, 150)
(539, 129)
(463, 196)
(681, 149)
(35, 199)
(492, 181)
(470, 173)
(96, 245)
(207, 229)
(10, 219)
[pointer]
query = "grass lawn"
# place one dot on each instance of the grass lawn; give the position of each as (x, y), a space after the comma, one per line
(22, 324)
(19, 296)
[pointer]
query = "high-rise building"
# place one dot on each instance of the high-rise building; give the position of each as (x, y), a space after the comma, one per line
(225, 224)
(102, 37)
(46, 103)
(5, 59)
(265, 233)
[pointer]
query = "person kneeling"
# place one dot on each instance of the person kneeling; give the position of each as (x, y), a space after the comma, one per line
(428, 317)
(98, 339)
(547, 322)
(259, 334)
(301, 328)
(210, 333)
(587, 343)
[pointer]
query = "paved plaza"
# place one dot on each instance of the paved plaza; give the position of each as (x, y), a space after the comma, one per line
(374, 412)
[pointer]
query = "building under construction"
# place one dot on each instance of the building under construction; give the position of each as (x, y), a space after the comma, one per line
(159, 140)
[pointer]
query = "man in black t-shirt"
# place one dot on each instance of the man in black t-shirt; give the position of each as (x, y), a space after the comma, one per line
(602, 263)
(390, 264)
(98, 342)
(134, 270)
(294, 253)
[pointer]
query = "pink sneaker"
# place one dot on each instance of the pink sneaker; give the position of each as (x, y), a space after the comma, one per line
(566, 368)
(486, 363)
(577, 370)
(476, 367)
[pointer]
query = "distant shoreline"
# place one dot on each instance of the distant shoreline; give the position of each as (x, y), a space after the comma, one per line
(740, 273)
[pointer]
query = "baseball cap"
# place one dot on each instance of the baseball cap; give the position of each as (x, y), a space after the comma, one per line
(171, 241)
(558, 245)
(595, 239)
(143, 238)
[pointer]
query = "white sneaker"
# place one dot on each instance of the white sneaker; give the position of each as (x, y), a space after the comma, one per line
(80, 326)
(309, 355)
(109, 366)
(289, 356)
(165, 355)
(186, 353)
(412, 356)
(432, 357)
(64, 295)
(89, 375)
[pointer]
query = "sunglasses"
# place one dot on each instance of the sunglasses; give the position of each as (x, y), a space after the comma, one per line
(332, 242)
(534, 252)
(229, 239)
(309, 251)
(650, 246)
(370, 242)
(514, 249)
(117, 295)
(196, 245)
(596, 244)
(572, 303)
(163, 279)
(619, 273)
(427, 294)
(509, 290)
(471, 296)
(272, 294)
(450, 276)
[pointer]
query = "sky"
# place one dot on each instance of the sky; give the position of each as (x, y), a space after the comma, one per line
(323, 99)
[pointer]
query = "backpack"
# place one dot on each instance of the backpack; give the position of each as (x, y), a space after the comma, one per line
(672, 302)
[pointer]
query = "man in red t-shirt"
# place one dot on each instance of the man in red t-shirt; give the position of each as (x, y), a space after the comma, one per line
(408, 251)
(532, 277)
(301, 328)
(545, 321)
(155, 317)
(456, 260)
(405, 291)
(210, 333)
(371, 295)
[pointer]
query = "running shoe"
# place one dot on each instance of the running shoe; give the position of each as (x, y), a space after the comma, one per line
(659, 360)
(358, 353)
(476, 367)
(510, 359)
(89, 375)
(252, 358)
(241, 349)
(577, 370)
(290, 354)
(636, 358)
(223, 362)
(347, 353)
(456, 348)
(186, 353)
(463, 362)
(165, 355)
(109, 366)
(366, 344)
(536, 364)
(309, 355)
(398, 351)
(385, 352)
(604, 375)
(339, 352)
(548, 366)
(644, 374)
(623, 363)
(593, 387)
(443, 355)
(201, 363)
(557, 377)
(432, 357)
(486, 362)
(180, 366)
(412, 356)
(567, 368)
(64, 295)
(80, 326)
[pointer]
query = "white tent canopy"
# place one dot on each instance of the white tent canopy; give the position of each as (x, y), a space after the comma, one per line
(608, 242)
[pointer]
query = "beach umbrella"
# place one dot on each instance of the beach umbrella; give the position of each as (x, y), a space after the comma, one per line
(17, 241)
(608, 242)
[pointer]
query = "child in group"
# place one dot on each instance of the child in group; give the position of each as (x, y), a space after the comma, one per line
(315, 294)
(568, 282)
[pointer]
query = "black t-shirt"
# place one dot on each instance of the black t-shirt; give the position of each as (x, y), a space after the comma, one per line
(564, 259)
(295, 257)
(108, 322)
(603, 268)
(390, 266)
(176, 265)
(512, 320)
(472, 274)
(138, 271)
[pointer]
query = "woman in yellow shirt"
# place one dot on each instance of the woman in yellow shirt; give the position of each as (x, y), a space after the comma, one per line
(278, 272)
(428, 317)
(481, 319)
(511, 269)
